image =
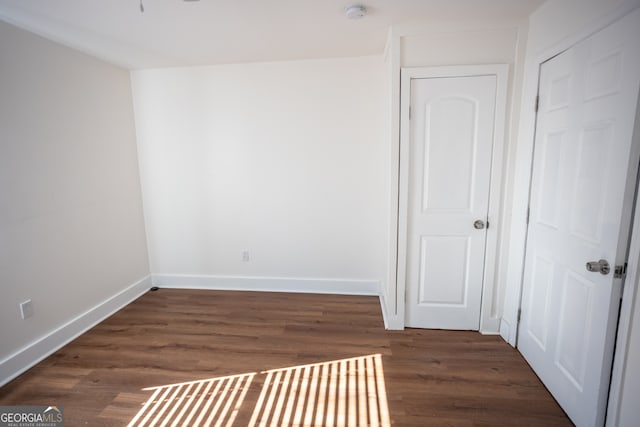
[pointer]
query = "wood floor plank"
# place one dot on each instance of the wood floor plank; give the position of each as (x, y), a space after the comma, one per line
(431, 377)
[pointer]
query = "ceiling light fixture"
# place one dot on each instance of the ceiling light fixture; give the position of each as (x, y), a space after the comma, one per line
(355, 11)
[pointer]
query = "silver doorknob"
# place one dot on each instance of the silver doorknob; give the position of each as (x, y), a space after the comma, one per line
(478, 224)
(601, 266)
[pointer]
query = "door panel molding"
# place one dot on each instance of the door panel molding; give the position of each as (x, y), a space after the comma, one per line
(489, 313)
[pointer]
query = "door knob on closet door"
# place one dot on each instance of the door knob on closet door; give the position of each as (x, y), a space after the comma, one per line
(601, 266)
(478, 224)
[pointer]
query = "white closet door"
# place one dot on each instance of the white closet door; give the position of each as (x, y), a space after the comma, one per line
(583, 183)
(452, 129)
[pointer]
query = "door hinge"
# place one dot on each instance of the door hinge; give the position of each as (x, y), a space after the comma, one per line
(620, 271)
(519, 314)
(537, 103)
(528, 212)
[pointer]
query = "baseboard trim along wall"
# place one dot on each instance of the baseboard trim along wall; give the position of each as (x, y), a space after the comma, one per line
(24, 359)
(392, 322)
(269, 284)
(505, 331)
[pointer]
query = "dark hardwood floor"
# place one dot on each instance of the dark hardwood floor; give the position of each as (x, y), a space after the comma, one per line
(131, 367)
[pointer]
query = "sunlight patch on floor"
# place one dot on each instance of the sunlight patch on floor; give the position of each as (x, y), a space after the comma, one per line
(210, 402)
(347, 392)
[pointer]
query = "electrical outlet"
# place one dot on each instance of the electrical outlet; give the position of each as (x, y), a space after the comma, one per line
(245, 256)
(26, 309)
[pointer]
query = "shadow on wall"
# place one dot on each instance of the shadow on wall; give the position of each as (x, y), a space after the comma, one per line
(345, 392)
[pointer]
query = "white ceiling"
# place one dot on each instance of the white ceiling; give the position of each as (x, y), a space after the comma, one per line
(183, 33)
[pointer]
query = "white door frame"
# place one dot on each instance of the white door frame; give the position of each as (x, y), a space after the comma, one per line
(517, 232)
(489, 323)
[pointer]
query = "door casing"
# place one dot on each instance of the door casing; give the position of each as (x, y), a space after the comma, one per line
(489, 321)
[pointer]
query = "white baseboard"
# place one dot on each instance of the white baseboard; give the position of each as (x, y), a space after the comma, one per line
(383, 308)
(268, 284)
(505, 331)
(490, 326)
(24, 359)
(391, 322)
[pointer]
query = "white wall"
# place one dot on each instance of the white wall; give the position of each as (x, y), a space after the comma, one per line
(284, 160)
(464, 47)
(623, 407)
(393, 314)
(555, 26)
(71, 224)
(629, 410)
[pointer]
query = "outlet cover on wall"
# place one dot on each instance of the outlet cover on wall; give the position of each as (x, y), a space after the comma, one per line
(26, 309)
(245, 256)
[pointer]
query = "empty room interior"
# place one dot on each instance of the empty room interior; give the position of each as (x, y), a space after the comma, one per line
(320, 213)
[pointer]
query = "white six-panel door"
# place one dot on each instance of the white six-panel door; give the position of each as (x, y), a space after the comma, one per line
(452, 129)
(583, 183)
